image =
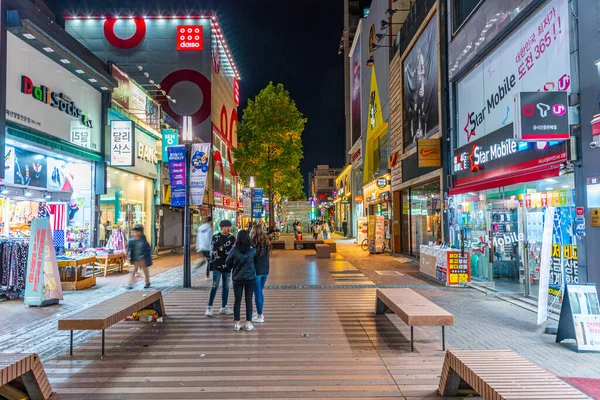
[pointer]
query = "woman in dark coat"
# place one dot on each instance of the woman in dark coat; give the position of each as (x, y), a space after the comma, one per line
(243, 274)
(139, 254)
(262, 244)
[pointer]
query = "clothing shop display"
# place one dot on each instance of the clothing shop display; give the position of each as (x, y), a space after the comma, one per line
(13, 265)
(116, 241)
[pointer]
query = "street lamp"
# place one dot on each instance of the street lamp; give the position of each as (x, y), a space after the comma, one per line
(252, 184)
(187, 136)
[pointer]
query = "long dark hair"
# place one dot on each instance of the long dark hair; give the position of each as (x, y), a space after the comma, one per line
(243, 242)
(260, 240)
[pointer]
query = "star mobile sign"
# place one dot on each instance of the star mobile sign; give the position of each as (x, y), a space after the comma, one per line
(42, 286)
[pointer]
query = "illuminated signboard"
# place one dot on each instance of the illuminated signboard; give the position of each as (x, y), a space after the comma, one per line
(189, 38)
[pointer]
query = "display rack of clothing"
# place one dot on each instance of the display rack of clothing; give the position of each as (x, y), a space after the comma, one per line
(13, 266)
(116, 241)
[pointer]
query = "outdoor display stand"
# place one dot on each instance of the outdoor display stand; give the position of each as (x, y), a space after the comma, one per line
(580, 317)
(447, 266)
(41, 286)
(116, 260)
(73, 273)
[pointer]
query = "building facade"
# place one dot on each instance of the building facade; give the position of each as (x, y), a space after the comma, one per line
(323, 191)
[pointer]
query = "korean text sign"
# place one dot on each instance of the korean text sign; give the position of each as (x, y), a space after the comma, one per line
(122, 139)
(176, 157)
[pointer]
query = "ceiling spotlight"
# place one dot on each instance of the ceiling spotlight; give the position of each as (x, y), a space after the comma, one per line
(3, 189)
(147, 75)
(151, 81)
(140, 67)
(27, 193)
(384, 24)
(370, 62)
(28, 36)
(65, 61)
(48, 49)
(47, 195)
(79, 71)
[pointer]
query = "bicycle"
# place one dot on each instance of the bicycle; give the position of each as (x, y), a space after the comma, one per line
(365, 245)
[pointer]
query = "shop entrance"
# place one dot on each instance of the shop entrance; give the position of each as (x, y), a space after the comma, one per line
(502, 230)
(420, 223)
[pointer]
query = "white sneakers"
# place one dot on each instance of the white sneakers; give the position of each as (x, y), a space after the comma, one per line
(208, 312)
(249, 326)
(237, 327)
(257, 319)
(225, 310)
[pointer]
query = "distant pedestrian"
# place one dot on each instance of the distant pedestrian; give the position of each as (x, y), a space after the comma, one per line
(317, 229)
(262, 244)
(139, 254)
(222, 243)
(326, 230)
(299, 230)
(241, 263)
(204, 243)
(345, 227)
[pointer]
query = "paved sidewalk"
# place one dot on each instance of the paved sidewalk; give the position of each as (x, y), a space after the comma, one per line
(482, 322)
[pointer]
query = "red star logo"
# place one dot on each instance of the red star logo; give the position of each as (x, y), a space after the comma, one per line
(470, 133)
(474, 167)
(482, 246)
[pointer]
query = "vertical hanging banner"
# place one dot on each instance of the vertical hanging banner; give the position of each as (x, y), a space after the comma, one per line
(257, 203)
(170, 137)
(247, 201)
(176, 157)
(198, 171)
(42, 286)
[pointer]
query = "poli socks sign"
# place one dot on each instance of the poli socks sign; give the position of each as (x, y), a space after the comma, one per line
(42, 286)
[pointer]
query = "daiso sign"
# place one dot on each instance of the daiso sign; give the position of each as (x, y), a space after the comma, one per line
(189, 38)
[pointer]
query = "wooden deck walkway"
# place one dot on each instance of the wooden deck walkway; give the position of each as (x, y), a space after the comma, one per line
(314, 344)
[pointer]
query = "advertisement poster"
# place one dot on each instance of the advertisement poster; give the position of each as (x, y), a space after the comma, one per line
(257, 203)
(580, 317)
(420, 97)
(534, 58)
(355, 90)
(371, 232)
(30, 169)
(459, 268)
(176, 157)
(198, 170)
(362, 229)
(544, 284)
(247, 201)
(42, 286)
(564, 267)
(379, 234)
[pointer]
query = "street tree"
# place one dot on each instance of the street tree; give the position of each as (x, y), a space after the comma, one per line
(270, 145)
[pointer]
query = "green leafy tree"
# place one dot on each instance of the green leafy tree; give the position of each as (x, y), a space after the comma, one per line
(270, 145)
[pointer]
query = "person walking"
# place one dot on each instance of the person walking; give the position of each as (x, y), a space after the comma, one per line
(326, 230)
(241, 263)
(262, 244)
(345, 227)
(204, 243)
(139, 254)
(299, 230)
(222, 244)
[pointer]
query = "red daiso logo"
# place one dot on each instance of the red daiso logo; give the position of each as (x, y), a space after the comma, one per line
(189, 38)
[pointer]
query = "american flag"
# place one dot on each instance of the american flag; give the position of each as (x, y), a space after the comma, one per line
(58, 215)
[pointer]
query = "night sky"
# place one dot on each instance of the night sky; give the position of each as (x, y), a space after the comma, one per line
(291, 42)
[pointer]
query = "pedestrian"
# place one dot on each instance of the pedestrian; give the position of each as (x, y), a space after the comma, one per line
(241, 263)
(262, 244)
(326, 230)
(139, 254)
(316, 230)
(204, 243)
(345, 227)
(222, 244)
(299, 230)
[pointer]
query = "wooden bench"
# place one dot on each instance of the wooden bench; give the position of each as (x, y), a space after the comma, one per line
(501, 374)
(20, 372)
(104, 315)
(278, 244)
(332, 245)
(306, 244)
(323, 251)
(414, 310)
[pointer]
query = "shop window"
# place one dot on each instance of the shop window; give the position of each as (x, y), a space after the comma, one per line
(462, 10)
(502, 231)
(383, 153)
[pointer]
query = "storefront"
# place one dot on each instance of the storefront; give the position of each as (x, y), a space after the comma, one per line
(502, 187)
(356, 180)
(225, 208)
(343, 201)
(378, 202)
(52, 142)
(131, 179)
(420, 222)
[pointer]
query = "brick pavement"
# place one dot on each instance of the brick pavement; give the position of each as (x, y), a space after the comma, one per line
(482, 322)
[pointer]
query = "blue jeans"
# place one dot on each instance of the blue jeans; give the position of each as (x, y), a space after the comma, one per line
(258, 292)
(224, 292)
